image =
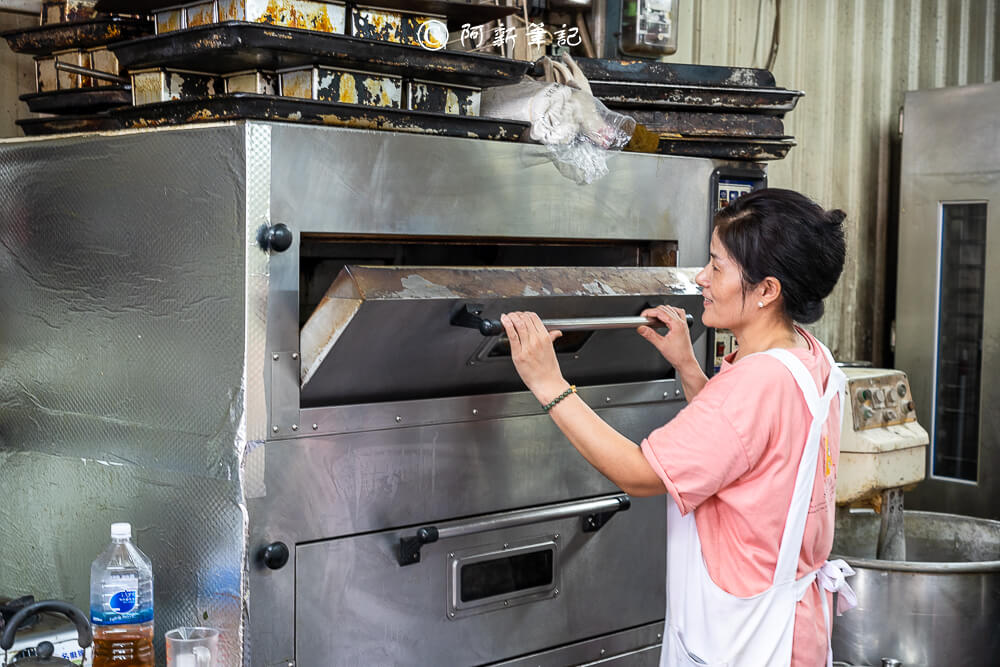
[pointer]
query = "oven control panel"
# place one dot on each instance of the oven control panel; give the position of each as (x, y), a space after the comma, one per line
(880, 399)
(725, 344)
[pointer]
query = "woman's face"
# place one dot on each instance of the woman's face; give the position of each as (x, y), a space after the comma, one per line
(721, 284)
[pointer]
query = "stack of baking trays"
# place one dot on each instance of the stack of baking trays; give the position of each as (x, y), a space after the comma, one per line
(77, 75)
(312, 61)
(730, 113)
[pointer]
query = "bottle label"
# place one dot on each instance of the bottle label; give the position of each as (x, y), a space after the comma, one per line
(120, 602)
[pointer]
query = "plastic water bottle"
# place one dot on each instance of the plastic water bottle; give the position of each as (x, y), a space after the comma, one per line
(121, 603)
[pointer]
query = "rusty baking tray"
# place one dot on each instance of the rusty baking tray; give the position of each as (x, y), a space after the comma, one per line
(707, 123)
(232, 46)
(651, 71)
(727, 148)
(620, 94)
(66, 124)
(245, 106)
(42, 40)
(78, 100)
(458, 13)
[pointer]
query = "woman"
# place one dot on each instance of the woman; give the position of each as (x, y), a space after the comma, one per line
(749, 465)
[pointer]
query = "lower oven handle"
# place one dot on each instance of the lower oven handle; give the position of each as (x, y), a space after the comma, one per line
(595, 514)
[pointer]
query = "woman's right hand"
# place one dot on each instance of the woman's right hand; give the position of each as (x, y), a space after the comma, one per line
(675, 345)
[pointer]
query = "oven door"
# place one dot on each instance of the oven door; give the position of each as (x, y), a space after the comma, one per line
(402, 333)
(490, 587)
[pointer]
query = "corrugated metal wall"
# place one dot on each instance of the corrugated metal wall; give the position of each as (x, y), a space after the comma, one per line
(854, 59)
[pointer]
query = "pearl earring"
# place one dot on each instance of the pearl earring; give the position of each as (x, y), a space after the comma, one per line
(760, 304)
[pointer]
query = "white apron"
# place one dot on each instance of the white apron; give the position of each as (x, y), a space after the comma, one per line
(706, 625)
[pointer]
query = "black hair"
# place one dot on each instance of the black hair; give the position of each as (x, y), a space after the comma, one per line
(781, 233)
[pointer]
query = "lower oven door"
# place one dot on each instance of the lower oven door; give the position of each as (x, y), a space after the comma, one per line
(488, 588)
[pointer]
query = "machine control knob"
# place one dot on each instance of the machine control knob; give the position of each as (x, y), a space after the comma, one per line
(901, 389)
(879, 395)
(862, 395)
(867, 413)
(909, 406)
(275, 555)
(889, 415)
(890, 397)
(865, 395)
(277, 238)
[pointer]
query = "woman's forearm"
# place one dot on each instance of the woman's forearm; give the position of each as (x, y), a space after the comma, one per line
(692, 378)
(614, 455)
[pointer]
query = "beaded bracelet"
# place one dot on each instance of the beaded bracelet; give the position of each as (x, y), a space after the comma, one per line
(551, 404)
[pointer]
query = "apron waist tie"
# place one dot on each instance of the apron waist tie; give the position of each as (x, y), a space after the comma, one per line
(832, 577)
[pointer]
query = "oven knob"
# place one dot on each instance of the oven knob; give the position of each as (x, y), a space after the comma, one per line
(275, 237)
(275, 555)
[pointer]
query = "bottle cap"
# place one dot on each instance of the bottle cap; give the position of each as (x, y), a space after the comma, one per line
(121, 531)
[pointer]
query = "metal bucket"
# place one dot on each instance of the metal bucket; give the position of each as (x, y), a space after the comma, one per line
(941, 606)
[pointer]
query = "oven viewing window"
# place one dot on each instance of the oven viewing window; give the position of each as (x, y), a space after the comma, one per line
(506, 575)
(503, 575)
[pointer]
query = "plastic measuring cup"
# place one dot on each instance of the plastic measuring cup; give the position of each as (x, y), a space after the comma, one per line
(192, 647)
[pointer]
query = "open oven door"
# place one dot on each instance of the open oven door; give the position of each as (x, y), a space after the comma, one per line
(401, 333)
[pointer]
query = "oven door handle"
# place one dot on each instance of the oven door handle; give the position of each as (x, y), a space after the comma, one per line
(595, 513)
(471, 316)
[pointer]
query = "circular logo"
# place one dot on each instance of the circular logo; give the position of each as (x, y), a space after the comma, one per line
(122, 601)
(433, 35)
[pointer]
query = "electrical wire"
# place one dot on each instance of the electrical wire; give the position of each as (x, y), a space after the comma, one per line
(774, 36)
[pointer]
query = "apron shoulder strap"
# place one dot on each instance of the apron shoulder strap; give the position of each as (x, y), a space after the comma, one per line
(819, 408)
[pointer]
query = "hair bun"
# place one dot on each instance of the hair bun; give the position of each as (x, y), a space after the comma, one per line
(835, 217)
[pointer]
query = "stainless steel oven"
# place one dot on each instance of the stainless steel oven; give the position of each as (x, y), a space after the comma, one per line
(329, 457)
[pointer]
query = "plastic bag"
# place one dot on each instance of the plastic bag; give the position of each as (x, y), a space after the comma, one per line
(575, 126)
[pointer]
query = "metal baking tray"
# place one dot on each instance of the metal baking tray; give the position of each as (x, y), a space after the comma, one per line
(618, 94)
(710, 124)
(329, 84)
(61, 11)
(66, 124)
(726, 148)
(457, 12)
(233, 46)
(318, 15)
(651, 71)
(45, 39)
(241, 106)
(78, 100)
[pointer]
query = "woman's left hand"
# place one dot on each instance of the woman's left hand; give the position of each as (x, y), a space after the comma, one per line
(533, 354)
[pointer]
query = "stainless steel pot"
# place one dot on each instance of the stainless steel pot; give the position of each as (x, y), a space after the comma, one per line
(941, 606)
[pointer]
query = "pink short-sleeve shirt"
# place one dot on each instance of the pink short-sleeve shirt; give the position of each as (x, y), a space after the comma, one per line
(731, 456)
